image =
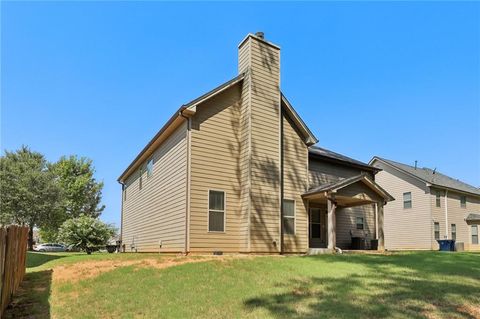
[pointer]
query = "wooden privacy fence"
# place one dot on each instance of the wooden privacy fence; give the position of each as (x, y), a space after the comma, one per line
(13, 254)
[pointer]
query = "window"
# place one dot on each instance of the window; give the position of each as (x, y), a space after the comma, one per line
(454, 231)
(437, 230)
(438, 202)
(474, 234)
(407, 200)
(360, 223)
(150, 167)
(216, 211)
(289, 217)
(463, 201)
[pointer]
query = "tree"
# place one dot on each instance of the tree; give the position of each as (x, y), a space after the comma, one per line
(85, 232)
(30, 195)
(81, 193)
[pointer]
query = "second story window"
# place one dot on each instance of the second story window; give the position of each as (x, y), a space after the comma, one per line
(436, 229)
(150, 167)
(463, 201)
(438, 201)
(407, 200)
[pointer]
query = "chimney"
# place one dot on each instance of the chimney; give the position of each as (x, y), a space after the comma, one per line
(259, 60)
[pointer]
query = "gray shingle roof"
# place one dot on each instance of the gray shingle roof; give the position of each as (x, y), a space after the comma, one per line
(437, 178)
(318, 151)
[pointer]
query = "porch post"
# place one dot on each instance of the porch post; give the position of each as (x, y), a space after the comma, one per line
(381, 235)
(332, 233)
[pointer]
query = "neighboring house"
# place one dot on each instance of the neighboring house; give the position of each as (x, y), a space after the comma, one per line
(235, 170)
(428, 206)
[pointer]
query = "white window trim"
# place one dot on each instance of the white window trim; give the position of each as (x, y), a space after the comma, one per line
(363, 222)
(404, 201)
(214, 210)
(478, 234)
(439, 231)
(294, 216)
(453, 232)
(149, 175)
(463, 205)
(438, 199)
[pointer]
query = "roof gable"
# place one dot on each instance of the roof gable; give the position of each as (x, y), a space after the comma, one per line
(185, 111)
(309, 138)
(430, 177)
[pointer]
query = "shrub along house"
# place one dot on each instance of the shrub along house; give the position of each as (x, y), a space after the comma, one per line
(429, 206)
(235, 170)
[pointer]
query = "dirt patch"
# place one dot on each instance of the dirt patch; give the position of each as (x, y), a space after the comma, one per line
(470, 310)
(91, 269)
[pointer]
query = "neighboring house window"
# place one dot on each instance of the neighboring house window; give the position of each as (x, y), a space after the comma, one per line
(289, 217)
(150, 167)
(407, 200)
(438, 201)
(454, 231)
(463, 201)
(474, 234)
(360, 223)
(216, 211)
(437, 230)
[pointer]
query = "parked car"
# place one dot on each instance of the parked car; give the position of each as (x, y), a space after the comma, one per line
(50, 247)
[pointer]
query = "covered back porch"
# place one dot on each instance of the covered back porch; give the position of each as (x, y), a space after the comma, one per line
(345, 212)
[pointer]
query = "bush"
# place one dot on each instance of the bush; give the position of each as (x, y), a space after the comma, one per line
(85, 233)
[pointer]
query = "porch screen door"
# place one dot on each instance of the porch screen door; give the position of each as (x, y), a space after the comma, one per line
(317, 227)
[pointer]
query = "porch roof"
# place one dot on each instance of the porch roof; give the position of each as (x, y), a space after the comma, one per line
(473, 218)
(349, 198)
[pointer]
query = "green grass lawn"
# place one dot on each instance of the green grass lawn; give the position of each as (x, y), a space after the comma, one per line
(402, 285)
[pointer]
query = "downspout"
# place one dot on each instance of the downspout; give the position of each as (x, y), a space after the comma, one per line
(281, 181)
(121, 217)
(446, 213)
(187, 173)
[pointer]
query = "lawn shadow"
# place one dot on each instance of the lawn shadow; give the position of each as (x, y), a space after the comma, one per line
(31, 299)
(416, 286)
(35, 259)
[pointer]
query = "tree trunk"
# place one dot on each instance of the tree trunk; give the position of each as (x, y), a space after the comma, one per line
(30, 238)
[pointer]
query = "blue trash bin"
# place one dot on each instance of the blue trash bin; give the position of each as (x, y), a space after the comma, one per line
(446, 245)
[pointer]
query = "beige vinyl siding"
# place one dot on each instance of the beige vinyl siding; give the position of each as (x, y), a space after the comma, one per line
(406, 228)
(346, 224)
(216, 164)
(322, 172)
(157, 211)
(295, 163)
(245, 146)
(265, 149)
(456, 215)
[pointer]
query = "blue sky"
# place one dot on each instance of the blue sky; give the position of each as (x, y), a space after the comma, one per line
(99, 79)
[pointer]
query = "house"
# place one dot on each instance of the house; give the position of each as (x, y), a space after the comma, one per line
(429, 206)
(236, 170)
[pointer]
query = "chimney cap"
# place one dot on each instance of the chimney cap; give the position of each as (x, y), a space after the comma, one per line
(260, 34)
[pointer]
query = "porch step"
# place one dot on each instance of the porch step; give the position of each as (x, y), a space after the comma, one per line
(319, 251)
